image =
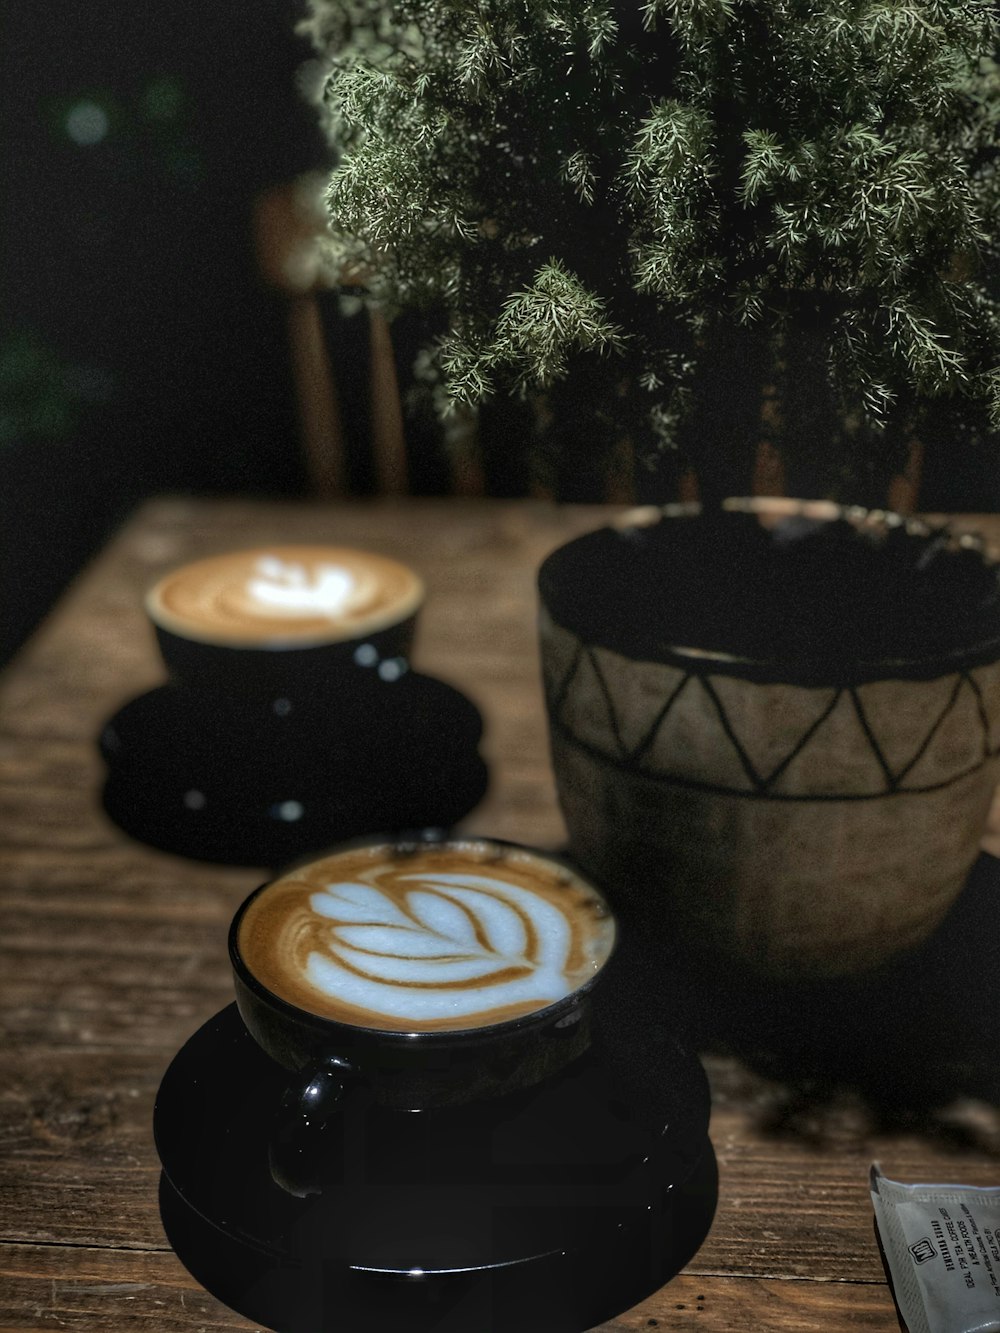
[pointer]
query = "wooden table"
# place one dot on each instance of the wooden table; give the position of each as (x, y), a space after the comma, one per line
(113, 954)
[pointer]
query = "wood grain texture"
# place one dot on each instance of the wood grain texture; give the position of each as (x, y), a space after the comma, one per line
(112, 954)
(87, 1289)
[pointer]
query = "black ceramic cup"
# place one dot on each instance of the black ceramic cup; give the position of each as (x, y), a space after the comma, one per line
(337, 1065)
(294, 659)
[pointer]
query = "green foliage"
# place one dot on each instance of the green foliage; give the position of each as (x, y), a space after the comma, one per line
(571, 178)
(536, 333)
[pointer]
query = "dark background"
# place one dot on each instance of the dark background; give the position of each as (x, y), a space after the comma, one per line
(140, 352)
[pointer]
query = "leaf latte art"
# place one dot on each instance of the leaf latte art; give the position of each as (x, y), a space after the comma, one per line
(449, 937)
(285, 595)
(434, 954)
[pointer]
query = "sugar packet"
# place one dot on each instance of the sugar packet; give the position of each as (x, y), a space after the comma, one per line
(942, 1245)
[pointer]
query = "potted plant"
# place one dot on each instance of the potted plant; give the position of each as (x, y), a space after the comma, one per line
(694, 228)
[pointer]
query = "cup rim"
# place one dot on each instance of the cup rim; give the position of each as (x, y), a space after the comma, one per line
(483, 1033)
(166, 621)
(800, 670)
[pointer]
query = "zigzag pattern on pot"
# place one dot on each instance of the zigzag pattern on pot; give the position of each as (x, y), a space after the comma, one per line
(787, 742)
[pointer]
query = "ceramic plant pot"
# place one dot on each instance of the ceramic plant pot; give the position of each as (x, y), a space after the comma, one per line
(775, 730)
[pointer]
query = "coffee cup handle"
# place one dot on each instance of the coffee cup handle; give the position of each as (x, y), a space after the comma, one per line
(308, 1104)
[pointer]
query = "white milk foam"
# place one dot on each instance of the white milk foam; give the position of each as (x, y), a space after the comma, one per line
(288, 588)
(279, 596)
(434, 959)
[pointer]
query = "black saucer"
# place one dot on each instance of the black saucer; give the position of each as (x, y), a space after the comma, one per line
(238, 782)
(548, 1211)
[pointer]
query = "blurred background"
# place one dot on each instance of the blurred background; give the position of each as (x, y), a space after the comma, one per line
(142, 351)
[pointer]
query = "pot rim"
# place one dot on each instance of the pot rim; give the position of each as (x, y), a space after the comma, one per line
(805, 671)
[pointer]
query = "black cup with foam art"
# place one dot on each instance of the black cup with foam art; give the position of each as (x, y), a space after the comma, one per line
(292, 719)
(415, 976)
(292, 622)
(447, 1098)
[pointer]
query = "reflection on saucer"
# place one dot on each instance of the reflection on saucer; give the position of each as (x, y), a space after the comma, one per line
(256, 783)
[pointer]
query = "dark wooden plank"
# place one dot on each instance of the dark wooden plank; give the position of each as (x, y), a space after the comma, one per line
(794, 1197)
(90, 1289)
(110, 951)
(761, 1305)
(79, 1166)
(78, 1163)
(56, 1287)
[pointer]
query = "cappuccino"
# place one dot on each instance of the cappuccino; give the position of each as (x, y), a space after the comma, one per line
(285, 596)
(426, 938)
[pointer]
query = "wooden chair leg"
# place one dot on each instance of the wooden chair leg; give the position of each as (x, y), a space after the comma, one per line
(388, 444)
(465, 465)
(316, 396)
(904, 488)
(768, 472)
(620, 488)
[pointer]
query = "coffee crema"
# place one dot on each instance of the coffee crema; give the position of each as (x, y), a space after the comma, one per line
(281, 596)
(445, 936)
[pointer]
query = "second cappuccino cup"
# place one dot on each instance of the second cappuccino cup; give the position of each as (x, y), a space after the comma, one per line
(292, 624)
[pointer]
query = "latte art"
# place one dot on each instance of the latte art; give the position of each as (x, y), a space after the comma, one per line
(452, 936)
(285, 595)
(456, 945)
(288, 588)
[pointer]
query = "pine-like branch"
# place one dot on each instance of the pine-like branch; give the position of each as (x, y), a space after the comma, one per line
(569, 178)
